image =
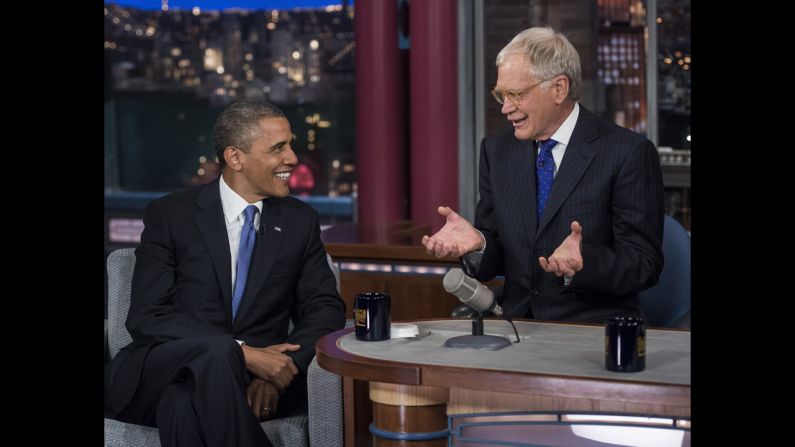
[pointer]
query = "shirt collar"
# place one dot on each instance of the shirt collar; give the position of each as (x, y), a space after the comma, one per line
(563, 134)
(232, 203)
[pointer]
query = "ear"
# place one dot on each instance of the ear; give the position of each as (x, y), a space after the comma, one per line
(561, 88)
(232, 157)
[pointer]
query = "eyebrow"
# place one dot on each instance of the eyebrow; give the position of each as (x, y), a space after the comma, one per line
(279, 144)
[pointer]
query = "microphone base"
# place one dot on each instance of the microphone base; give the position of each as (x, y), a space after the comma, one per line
(483, 342)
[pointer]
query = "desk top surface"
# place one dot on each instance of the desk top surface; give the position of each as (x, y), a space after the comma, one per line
(545, 348)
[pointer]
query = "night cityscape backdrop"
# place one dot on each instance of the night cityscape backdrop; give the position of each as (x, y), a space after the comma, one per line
(170, 70)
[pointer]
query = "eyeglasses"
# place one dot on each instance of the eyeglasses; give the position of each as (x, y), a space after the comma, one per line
(515, 98)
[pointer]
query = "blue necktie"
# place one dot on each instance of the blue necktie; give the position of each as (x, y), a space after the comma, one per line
(545, 174)
(244, 252)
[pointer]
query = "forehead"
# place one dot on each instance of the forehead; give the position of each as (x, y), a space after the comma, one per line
(514, 72)
(274, 130)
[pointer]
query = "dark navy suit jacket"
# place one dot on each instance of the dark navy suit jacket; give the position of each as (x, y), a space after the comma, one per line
(610, 181)
(182, 284)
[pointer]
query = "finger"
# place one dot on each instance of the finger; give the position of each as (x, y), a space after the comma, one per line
(273, 403)
(573, 264)
(438, 249)
(264, 413)
(544, 264)
(555, 264)
(278, 382)
(284, 347)
(566, 270)
(429, 245)
(443, 210)
(454, 249)
(286, 378)
(258, 404)
(425, 239)
(291, 364)
(576, 228)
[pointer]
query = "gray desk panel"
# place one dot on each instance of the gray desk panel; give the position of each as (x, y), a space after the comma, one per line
(546, 348)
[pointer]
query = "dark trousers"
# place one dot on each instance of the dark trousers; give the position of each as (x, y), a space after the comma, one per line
(194, 391)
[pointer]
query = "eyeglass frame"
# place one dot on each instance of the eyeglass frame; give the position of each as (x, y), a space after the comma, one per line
(519, 96)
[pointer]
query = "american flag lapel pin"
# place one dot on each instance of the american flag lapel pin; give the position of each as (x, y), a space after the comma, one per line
(277, 228)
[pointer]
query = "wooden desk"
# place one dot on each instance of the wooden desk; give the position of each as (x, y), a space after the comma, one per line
(391, 259)
(415, 383)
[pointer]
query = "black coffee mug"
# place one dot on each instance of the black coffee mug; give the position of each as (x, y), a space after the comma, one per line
(625, 344)
(371, 316)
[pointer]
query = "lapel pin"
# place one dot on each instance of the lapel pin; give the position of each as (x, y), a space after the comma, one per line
(277, 228)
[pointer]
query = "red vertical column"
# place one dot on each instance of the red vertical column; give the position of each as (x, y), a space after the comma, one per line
(380, 122)
(434, 108)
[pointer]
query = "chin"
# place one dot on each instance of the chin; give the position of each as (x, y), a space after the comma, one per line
(281, 192)
(521, 134)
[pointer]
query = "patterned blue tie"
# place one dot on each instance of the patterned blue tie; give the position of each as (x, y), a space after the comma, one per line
(244, 252)
(545, 174)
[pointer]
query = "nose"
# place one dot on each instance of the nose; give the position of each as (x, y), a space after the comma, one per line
(290, 159)
(507, 107)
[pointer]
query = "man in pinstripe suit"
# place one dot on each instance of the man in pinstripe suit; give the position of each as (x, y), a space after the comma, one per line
(598, 239)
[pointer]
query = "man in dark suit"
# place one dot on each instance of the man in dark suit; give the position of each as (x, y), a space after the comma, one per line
(581, 248)
(211, 356)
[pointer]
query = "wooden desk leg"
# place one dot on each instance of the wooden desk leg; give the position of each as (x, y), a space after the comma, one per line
(407, 415)
(357, 412)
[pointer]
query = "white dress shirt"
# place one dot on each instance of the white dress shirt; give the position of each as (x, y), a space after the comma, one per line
(234, 217)
(562, 136)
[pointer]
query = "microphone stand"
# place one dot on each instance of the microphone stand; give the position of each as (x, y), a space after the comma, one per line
(478, 340)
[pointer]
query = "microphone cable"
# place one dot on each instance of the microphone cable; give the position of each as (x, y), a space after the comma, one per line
(514, 328)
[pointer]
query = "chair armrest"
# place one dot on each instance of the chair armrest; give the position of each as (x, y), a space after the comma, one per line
(324, 389)
(107, 351)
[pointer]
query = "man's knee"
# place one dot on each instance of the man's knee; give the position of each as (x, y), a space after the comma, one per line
(175, 399)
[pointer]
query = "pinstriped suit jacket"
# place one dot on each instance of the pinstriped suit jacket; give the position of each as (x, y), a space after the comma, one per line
(610, 181)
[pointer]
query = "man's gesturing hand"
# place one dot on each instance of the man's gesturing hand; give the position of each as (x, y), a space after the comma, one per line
(567, 258)
(456, 237)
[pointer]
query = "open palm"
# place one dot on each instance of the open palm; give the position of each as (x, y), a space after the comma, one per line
(456, 237)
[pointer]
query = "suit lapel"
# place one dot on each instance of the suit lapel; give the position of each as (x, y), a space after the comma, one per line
(521, 166)
(209, 219)
(578, 156)
(272, 228)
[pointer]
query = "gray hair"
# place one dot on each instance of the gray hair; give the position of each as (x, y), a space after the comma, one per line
(549, 54)
(239, 125)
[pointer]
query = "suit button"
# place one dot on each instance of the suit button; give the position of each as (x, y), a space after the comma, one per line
(534, 292)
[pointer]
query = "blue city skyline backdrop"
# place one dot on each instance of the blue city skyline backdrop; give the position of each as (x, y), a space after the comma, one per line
(227, 4)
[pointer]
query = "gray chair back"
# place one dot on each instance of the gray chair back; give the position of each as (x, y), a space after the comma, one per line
(121, 264)
(667, 304)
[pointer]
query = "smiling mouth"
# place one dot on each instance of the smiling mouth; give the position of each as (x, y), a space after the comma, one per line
(519, 122)
(285, 175)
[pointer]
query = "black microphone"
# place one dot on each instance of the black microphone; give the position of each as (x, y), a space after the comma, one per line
(471, 292)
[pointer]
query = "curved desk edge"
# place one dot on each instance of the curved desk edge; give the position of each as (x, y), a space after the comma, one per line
(332, 358)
